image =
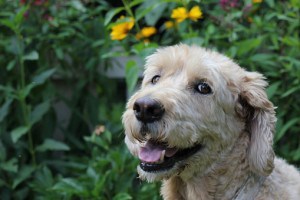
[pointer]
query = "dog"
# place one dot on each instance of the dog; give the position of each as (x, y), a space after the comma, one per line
(204, 126)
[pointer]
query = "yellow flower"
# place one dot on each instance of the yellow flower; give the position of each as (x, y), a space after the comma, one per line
(120, 31)
(146, 32)
(195, 13)
(179, 14)
(256, 1)
(169, 24)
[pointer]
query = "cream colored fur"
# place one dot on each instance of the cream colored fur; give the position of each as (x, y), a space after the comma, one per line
(235, 124)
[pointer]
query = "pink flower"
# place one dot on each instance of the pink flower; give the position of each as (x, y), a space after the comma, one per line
(35, 2)
(39, 2)
(227, 4)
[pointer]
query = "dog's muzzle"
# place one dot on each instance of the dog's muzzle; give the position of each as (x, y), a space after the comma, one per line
(148, 110)
(157, 157)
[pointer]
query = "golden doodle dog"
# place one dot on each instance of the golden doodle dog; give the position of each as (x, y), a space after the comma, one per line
(205, 127)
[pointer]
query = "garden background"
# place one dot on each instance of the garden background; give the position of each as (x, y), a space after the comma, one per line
(67, 68)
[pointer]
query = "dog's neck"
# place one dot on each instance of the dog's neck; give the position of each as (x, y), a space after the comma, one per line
(224, 181)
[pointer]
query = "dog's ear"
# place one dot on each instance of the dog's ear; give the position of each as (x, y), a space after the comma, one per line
(260, 121)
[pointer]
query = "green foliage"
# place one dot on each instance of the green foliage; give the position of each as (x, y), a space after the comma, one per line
(60, 129)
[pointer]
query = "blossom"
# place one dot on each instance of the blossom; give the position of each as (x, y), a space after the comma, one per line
(256, 1)
(146, 32)
(169, 24)
(180, 14)
(35, 2)
(227, 4)
(99, 129)
(195, 13)
(120, 30)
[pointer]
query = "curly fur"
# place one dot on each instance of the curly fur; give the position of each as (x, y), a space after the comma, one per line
(235, 124)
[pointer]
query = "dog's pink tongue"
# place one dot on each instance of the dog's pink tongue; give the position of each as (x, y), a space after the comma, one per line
(150, 153)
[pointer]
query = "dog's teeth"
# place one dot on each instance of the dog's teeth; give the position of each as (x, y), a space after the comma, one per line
(162, 156)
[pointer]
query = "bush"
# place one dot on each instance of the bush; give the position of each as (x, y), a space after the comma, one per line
(61, 135)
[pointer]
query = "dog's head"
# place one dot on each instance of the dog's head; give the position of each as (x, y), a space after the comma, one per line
(191, 109)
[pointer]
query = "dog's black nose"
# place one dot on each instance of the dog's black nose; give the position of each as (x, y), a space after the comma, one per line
(148, 110)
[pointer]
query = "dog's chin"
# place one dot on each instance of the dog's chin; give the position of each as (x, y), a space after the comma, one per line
(158, 175)
(169, 167)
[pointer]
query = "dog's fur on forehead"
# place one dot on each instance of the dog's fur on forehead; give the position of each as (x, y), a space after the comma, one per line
(176, 58)
(198, 63)
(235, 124)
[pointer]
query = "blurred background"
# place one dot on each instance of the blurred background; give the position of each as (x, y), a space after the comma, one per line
(68, 67)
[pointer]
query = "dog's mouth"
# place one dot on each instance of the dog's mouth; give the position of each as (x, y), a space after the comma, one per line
(157, 157)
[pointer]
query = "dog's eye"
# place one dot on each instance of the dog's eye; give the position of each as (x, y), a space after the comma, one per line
(203, 88)
(155, 79)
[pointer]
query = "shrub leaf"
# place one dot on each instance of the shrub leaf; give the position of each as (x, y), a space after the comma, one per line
(18, 132)
(4, 109)
(52, 145)
(132, 73)
(39, 111)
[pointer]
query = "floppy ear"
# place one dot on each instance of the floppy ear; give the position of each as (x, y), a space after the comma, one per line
(260, 122)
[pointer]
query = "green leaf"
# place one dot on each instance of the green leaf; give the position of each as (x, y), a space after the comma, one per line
(110, 14)
(26, 91)
(284, 128)
(68, 185)
(272, 89)
(95, 139)
(41, 78)
(122, 196)
(46, 177)
(59, 53)
(8, 23)
(296, 154)
(52, 145)
(2, 182)
(8, 90)
(245, 46)
(16, 46)
(107, 135)
(2, 152)
(22, 175)
(38, 112)
(132, 74)
(78, 5)
(136, 2)
(295, 3)
(291, 41)
(43, 178)
(261, 57)
(20, 15)
(140, 13)
(4, 109)
(31, 56)
(10, 166)
(18, 132)
(270, 3)
(156, 13)
(290, 91)
(11, 65)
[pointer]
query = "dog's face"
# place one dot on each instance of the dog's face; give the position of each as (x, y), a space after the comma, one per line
(188, 113)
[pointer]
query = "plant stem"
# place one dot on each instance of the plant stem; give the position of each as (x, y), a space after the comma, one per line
(22, 99)
(129, 11)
